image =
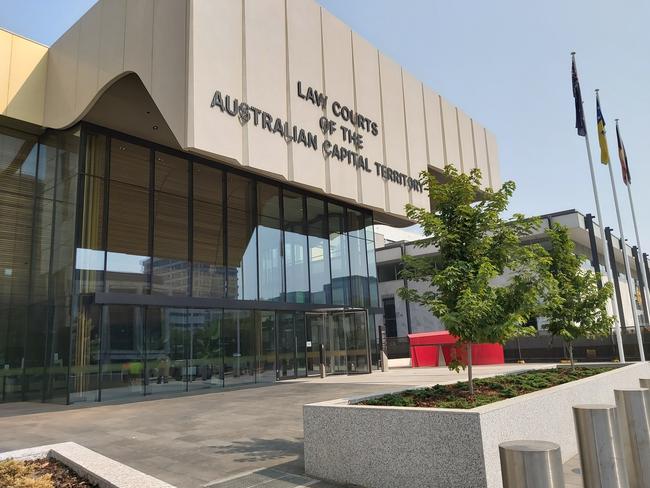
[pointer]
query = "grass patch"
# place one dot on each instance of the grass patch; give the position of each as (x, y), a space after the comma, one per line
(486, 390)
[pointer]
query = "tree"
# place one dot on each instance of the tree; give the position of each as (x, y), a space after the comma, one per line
(579, 308)
(483, 284)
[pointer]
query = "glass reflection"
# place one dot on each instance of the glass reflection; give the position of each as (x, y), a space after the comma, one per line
(166, 335)
(205, 351)
(269, 233)
(242, 239)
(239, 347)
(319, 252)
(265, 330)
(339, 258)
(295, 248)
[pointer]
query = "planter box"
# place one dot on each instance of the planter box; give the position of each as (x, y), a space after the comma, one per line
(385, 447)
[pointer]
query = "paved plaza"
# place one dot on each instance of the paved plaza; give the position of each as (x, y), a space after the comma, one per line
(214, 438)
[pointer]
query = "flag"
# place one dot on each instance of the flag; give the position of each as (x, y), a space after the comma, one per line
(602, 140)
(577, 96)
(622, 155)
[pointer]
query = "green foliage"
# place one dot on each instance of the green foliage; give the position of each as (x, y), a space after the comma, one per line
(488, 390)
(483, 285)
(579, 306)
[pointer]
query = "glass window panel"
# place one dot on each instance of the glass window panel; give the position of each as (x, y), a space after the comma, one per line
(90, 254)
(171, 174)
(128, 264)
(268, 200)
(370, 230)
(170, 264)
(241, 280)
(373, 280)
(84, 358)
(270, 259)
(359, 272)
(319, 252)
(205, 354)
(295, 248)
(287, 345)
(166, 369)
(339, 259)
(239, 347)
(357, 343)
(356, 224)
(95, 155)
(129, 163)
(122, 358)
(265, 330)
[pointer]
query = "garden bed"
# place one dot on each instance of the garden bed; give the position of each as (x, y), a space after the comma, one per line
(40, 473)
(349, 441)
(486, 390)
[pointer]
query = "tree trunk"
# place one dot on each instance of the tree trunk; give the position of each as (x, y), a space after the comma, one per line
(470, 377)
(573, 364)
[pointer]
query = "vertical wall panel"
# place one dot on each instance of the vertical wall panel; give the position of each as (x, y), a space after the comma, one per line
(266, 85)
(111, 41)
(368, 96)
(493, 159)
(61, 89)
(138, 43)
(26, 97)
(434, 128)
(339, 84)
(306, 66)
(466, 144)
(213, 131)
(169, 73)
(5, 67)
(450, 127)
(88, 54)
(416, 134)
(394, 130)
(481, 152)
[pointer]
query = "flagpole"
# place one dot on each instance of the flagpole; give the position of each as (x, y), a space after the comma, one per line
(626, 262)
(601, 227)
(638, 245)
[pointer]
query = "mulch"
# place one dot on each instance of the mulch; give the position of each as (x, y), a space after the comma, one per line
(62, 476)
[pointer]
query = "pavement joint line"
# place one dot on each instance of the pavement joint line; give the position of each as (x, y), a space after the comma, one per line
(237, 476)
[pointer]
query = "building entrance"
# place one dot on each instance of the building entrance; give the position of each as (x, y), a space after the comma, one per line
(344, 336)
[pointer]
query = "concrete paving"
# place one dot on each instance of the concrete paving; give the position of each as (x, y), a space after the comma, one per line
(198, 440)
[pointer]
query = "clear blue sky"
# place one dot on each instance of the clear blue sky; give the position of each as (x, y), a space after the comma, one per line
(507, 64)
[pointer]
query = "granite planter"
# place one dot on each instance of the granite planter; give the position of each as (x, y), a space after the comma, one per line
(382, 447)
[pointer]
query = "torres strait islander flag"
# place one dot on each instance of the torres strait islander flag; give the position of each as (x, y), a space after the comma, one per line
(602, 139)
(622, 155)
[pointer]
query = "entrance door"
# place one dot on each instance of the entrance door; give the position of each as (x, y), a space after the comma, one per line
(344, 335)
(287, 346)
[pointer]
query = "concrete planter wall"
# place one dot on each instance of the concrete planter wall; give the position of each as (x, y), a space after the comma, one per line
(382, 447)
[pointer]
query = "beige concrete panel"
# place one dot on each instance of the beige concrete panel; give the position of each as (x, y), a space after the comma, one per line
(434, 129)
(5, 67)
(266, 82)
(394, 130)
(339, 85)
(138, 39)
(450, 131)
(480, 150)
(169, 73)
(368, 96)
(28, 73)
(416, 134)
(88, 56)
(61, 89)
(111, 41)
(493, 159)
(212, 131)
(307, 165)
(466, 143)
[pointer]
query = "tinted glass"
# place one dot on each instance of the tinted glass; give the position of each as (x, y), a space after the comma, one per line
(239, 347)
(205, 356)
(296, 252)
(319, 251)
(269, 234)
(340, 263)
(167, 345)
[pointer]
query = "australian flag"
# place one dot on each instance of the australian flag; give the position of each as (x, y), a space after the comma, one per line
(577, 96)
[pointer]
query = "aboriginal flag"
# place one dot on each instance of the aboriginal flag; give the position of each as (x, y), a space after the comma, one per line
(577, 96)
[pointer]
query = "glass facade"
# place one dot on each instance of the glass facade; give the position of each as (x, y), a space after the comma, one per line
(130, 269)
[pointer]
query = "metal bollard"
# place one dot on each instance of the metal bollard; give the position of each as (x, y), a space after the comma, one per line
(601, 453)
(632, 405)
(644, 382)
(531, 464)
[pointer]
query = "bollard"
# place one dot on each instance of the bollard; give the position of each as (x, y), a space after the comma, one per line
(632, 405)
(644, 382)
(321, 359)
(599, 445)
(531, 464)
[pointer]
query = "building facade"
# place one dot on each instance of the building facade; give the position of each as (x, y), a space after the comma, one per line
(402, 318)
(188, 203)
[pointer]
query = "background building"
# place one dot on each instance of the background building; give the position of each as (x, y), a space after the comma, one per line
(402, 318)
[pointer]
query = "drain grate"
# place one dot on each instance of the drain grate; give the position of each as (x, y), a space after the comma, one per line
(264, 478)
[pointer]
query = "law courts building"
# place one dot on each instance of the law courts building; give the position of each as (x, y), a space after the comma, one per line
(188, 190)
